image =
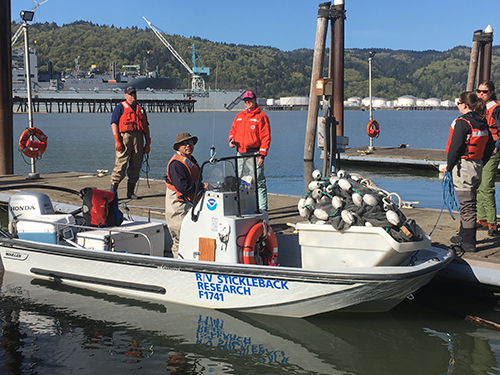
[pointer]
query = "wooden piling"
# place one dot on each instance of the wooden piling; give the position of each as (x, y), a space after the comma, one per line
(474, 56)
(6, 120)
(317, 68)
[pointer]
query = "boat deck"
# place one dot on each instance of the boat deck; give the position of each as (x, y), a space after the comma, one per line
(282, 208)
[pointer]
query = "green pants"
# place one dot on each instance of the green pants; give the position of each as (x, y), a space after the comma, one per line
(486, 206)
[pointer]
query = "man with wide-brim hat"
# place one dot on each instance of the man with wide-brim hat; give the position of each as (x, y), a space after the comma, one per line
(181, 180)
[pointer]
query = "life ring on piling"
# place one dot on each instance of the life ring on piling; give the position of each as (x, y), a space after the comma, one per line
(372, 129)
(29, 147)
(269, 253)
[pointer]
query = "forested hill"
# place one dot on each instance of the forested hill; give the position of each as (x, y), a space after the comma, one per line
(269, 71)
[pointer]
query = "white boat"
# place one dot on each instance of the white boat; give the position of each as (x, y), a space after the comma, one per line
(320, 270)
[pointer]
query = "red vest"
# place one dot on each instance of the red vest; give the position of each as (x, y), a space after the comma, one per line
(475, 143)
(193, 174)
(130, 120)
(492, 123)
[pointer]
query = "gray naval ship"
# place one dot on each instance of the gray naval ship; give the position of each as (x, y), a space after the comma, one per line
(93, 84)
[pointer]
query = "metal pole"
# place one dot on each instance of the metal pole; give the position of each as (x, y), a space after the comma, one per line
(370, 58)
(27, 67)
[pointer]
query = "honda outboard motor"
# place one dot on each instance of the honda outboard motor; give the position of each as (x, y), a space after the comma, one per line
(27, 205)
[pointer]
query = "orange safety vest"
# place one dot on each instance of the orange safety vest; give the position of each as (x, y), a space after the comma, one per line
(193, 174)
(130, 120)
(476, 142)
(492, 123)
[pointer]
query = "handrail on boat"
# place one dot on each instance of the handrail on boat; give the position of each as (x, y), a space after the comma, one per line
(89, 229)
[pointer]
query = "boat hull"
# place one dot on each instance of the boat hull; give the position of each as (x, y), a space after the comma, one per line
(282, 291)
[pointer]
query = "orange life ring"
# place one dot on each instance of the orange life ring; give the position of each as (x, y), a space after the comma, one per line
(29, 147)
(269, 254)
(372, 129)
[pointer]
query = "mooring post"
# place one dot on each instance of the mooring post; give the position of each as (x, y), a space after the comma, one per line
(338, 66)
(318, 59)
(487, 50)
(474, 56)
(6, 119)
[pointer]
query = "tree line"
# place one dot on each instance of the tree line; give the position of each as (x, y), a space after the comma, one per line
(270, 72)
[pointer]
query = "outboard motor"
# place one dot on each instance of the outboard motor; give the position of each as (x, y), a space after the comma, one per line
(28, 205)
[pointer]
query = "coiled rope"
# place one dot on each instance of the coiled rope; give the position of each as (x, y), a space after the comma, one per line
(449, 198)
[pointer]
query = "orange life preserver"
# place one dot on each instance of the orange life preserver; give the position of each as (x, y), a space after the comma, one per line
(270, 255)
(372, 129)
(30, 148)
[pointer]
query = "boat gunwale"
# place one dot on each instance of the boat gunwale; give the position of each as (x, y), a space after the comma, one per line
(365, 274)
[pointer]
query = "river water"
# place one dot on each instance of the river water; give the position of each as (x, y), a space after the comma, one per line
(53, 329)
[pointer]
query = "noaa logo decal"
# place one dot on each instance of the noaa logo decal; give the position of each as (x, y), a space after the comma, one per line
(252, 127)
(211, 204)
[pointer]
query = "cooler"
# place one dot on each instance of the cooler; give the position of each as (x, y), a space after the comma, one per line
(121, 239)
(45, 228)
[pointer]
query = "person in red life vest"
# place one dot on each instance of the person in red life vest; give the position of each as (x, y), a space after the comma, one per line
(251, 133)
(130, 127)
(486, 204)
(469, 147)
(181, 180)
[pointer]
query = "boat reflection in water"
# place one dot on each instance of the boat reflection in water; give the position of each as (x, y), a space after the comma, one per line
(61, 329)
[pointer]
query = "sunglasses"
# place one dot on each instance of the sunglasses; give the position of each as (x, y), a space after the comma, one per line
(186, 142)
(482, 91)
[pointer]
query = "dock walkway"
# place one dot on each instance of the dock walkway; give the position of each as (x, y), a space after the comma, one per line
(282, 208)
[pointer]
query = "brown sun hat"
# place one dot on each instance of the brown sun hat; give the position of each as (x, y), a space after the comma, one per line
(184, 136)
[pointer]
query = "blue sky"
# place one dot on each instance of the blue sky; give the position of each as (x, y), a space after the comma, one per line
(287, 25)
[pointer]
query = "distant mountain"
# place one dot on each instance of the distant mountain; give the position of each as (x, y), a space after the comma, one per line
(268, 71)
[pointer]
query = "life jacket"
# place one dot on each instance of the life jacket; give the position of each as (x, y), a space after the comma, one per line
(130, 120)
(193, 174)
(100, 208)
(492, 123)
(475, 143)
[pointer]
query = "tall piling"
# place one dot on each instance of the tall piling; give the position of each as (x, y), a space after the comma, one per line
(6, 119)
(317, 68)
(480, 58)
(338, 65)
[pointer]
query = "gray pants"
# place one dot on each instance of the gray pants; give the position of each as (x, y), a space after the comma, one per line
(466, 178)
(133, 148)
(175, 212)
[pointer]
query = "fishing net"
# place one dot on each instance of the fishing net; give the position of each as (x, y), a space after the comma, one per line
(346, 200)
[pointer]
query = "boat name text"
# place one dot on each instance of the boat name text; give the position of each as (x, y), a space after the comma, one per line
(214, 287)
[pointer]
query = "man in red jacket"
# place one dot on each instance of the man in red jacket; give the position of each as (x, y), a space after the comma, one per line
(251, 133)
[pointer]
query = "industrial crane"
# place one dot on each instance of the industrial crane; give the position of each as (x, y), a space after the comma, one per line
(197, 81)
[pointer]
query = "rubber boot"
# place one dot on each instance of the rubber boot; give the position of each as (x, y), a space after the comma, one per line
(458, 238)
(469, 240)
(492, 230)
(481, 224)
(130, 190)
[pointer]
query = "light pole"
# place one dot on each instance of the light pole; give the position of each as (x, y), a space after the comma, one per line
(370, 58)
(26, 16)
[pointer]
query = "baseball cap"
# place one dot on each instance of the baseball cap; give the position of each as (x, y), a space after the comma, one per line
(249, 95)
(130, 90)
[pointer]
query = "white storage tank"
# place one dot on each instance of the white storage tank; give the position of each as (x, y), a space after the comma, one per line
(407, 101)
(420, 102)
(270, 102)
(432, 102)
(379, 102)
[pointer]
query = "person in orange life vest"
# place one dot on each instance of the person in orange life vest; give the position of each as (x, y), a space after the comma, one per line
(486, 204)
(250, 133)
(469, 146)
(130, 127)
(181, 180)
